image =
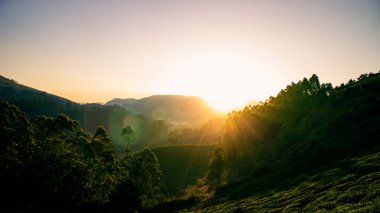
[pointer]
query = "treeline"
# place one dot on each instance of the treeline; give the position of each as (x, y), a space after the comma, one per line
(307, 125)
(51, 163)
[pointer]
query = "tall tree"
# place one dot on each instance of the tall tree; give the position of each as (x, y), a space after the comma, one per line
(148, 177)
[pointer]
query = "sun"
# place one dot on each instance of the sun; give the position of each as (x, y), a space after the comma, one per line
(226, 104)
(226, 80)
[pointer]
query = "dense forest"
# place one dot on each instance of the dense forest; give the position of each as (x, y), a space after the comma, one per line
(306, 125)
(307, 129)
(51, 163)
(310, 134)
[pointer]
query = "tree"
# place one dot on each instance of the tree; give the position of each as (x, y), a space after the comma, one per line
(147, 176)
(127, 162)
(53, 163)
(103, 146)
(17, 147)
(314, 84)
(127, 132)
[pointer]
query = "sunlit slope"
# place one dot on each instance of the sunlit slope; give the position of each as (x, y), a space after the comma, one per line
(183, 165)
(348, 185)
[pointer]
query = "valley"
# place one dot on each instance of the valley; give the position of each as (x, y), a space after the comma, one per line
(312, 147)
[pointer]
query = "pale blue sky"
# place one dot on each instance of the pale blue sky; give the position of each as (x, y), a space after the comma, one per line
(224, 51)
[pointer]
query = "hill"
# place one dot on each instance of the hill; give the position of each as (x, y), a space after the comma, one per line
(121, 101)
(312, 147)
(173, 108)
(35, 102)
(183, 165)
(348, 185)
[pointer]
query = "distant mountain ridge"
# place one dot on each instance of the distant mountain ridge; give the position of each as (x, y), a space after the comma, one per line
(121, 101)
(175, 108)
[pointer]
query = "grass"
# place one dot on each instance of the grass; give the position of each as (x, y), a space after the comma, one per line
(348, 185)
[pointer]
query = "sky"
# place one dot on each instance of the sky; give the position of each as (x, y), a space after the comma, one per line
(227, 52)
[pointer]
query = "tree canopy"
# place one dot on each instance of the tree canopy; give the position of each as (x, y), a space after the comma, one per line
(305, 126)
(52, 163)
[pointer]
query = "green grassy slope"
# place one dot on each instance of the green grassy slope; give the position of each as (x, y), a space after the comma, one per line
(348, 185)
(183, 165)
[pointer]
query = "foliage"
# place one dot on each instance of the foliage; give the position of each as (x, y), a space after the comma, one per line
(307, 126)
(198, 192)
(51, 163)
(312, 147)
(147, 176)
(127, 133)
(294, 128)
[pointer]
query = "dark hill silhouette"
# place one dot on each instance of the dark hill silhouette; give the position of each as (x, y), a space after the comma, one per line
(35, 102)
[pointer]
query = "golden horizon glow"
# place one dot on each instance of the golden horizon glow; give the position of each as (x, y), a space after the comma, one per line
(227, 52)
(223, 78)
(225, 105)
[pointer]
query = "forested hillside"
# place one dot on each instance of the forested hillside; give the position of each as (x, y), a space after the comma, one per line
(306, 125)
(51, 164)
(310, 134)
